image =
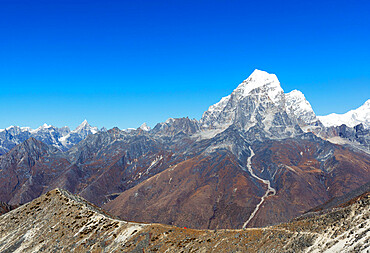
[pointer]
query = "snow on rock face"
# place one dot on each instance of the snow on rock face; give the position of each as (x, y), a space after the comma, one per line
(144, 127)
(80, 133)
(297, 106)
(259, 79)
(258, 101)
(351, 118)
(62, 138)
(84, 128)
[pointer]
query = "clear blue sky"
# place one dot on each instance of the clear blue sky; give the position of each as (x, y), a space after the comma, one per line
(120, 63)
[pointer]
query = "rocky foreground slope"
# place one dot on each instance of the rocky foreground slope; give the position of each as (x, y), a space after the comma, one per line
(61, 222)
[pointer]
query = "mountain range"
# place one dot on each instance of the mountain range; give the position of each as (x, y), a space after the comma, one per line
(62, 138)
(258, 157)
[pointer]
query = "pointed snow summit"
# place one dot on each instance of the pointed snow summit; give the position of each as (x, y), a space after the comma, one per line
(144, 127)
(269, 83)
(80, 133)
(262, 80)
(258, 102)
(84, 128)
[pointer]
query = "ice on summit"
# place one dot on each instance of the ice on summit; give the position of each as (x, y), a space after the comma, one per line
(85, 127)
(258, 98)
(297, 106)
(351, 118)
(259, 79)
(144, 127)
(256, 80)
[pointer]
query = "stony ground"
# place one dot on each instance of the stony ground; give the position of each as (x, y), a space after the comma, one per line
(61, 222)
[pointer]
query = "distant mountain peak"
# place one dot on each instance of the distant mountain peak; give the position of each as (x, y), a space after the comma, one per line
(350, 118)
(144, 127)
(85, 128)
(46, 125)
(84, 124)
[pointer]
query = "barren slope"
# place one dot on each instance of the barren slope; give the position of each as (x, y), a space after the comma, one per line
(61, 222)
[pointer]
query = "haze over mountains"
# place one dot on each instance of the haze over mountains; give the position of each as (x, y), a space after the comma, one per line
(257, 157)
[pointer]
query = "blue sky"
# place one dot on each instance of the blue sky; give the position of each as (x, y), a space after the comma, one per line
(120, 63)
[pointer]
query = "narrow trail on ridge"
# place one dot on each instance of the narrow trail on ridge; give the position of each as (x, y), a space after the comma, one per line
(266, 182)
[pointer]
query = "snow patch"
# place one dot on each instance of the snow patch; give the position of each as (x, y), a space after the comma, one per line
(128, 233)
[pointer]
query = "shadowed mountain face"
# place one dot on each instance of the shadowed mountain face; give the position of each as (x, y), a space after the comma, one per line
(21, 170)
(4, 208)
(249, 162)
(59, 221)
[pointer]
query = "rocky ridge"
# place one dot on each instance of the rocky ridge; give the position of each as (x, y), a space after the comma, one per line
(59, 221)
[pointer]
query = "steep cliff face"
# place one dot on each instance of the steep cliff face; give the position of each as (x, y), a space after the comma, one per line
(19, 167)
(357, 136)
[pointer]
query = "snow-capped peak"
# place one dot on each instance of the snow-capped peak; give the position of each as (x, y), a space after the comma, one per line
(259, 79)
(46, 125)
(84, 124)
(85, 127)
(10, 127)
(144, 127)
(259, 86)
(258, 103)
(169, 120)
(297, 106)
(351, 118)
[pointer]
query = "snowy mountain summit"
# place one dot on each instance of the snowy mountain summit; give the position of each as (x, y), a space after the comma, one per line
(62, 138)
(257, 103)
(351, 118)
(298, 107)
(144, 127)
(267, 83)
(85, 129)
(80, 133)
